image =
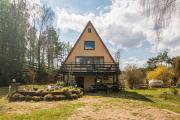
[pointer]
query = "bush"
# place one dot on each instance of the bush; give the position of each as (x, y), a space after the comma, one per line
(61, 84)
(133, 76)
(161, 73)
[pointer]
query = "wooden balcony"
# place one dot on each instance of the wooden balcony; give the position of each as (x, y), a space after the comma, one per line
(100, 68)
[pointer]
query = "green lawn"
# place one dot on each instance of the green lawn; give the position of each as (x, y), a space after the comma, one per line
(152, 97)
(171, 102)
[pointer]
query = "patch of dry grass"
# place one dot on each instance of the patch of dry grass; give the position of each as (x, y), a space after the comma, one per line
(58, 112)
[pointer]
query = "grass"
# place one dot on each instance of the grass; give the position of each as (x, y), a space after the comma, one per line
(58, 113)
(146, 97)
(62, 110)
(171, 103)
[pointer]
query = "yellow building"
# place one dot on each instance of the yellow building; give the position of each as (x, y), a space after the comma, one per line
(89, 61)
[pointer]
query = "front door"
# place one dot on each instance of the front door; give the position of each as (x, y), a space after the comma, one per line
(80, 82)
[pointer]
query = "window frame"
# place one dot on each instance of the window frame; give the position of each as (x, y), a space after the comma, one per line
(89, 41)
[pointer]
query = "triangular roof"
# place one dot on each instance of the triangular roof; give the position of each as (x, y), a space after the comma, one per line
(89, 24)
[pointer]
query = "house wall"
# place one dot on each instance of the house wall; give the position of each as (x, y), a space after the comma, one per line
(78, 49)
(108, 81)
(88, 81)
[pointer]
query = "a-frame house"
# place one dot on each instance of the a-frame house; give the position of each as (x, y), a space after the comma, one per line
(89, 62)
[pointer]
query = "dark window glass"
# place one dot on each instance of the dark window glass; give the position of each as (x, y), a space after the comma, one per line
(89, 30)
(89, 45)
(80, 60)
(90, 60)
(98, 60)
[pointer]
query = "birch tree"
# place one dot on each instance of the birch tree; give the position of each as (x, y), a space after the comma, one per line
(161, 11)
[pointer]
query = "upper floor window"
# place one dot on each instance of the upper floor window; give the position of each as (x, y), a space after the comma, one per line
(89, 45)
(89, 30)
(89, 59)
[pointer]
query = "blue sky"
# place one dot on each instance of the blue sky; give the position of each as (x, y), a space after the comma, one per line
(120, 23)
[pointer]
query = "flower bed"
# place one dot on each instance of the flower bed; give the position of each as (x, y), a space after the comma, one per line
(65, 93)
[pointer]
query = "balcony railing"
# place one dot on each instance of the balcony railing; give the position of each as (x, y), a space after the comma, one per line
(96, 67)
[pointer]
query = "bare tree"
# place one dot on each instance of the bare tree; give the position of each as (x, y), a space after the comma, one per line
(117, 55)
(133, 76)
(32, 44)
(161, 11)
(31, 73)
(46, 16)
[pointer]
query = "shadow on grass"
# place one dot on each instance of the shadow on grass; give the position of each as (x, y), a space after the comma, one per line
(123, 95)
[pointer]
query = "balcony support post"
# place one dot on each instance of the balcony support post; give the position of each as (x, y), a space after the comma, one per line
(113, 80)
(117, 78)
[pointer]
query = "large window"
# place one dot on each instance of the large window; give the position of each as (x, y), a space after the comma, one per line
(89, 60)
(89, 45)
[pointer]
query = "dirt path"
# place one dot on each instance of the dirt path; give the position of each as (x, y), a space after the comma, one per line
(108, 108)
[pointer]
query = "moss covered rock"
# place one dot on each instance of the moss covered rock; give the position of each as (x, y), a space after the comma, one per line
(49, 97)
(16, 97)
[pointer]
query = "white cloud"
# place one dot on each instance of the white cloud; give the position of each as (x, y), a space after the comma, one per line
(76, 22)
(132, 61)
(123, 24)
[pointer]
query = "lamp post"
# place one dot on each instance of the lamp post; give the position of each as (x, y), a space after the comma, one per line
(9, 93)
(14, 84)
(14, 80)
